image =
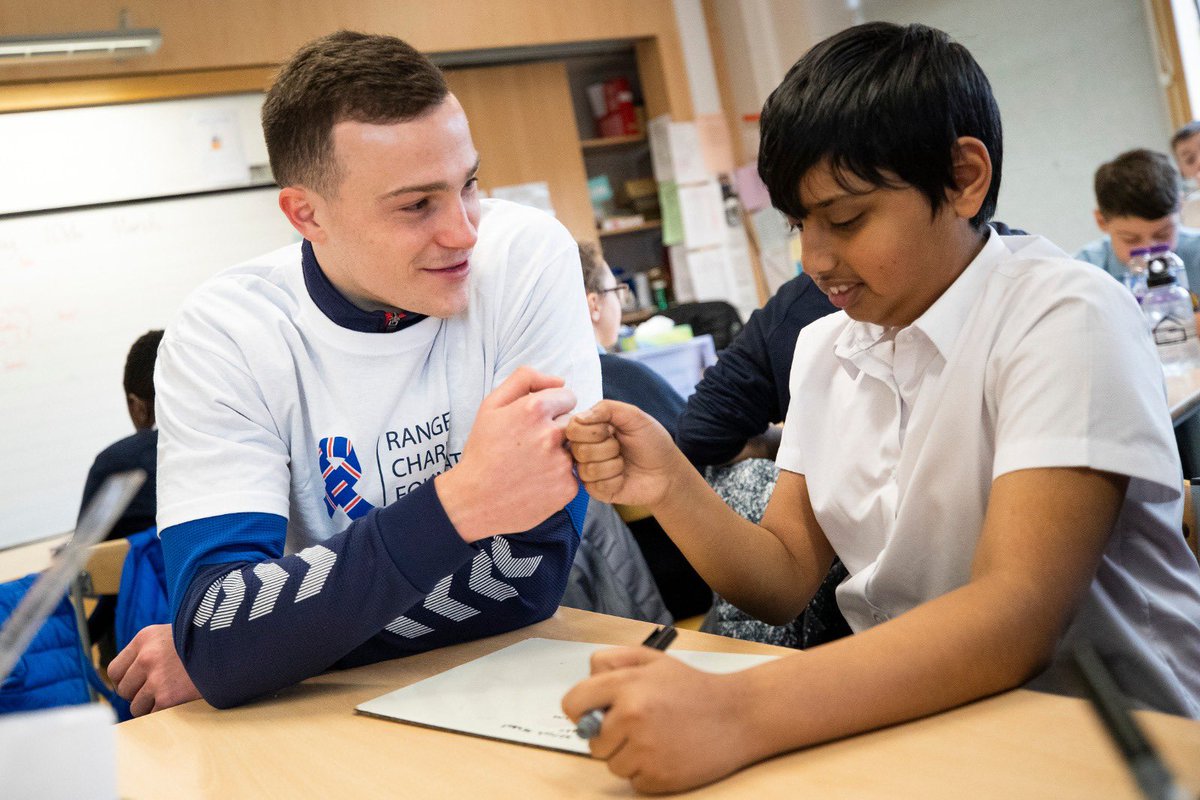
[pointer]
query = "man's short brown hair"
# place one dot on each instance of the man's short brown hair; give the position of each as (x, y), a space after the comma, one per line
(342, 76)
(1138, 183)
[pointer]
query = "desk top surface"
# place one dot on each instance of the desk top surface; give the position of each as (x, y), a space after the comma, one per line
(19, 561)
(1183, 395)
(307, 741)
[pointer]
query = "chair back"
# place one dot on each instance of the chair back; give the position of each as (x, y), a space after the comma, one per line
(102, 573)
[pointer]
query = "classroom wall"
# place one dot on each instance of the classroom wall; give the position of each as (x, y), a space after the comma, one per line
(246, 34)
(1075, 79)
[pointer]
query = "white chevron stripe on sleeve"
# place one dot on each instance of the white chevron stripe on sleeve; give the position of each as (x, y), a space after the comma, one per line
(481, 579)
(235, 589)
(408, 628)
(204, 612)
(320, 560)
(509, 565)
(439, 602)
(273, 577)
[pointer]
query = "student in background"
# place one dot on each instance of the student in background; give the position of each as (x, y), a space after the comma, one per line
(1185, 144)
(983, 442)
(312, 401)
(1137, 205)
(622, 378)
(683, 591)
(137, 451)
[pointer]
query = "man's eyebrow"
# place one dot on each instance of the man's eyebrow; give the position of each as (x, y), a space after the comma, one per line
(427, 188)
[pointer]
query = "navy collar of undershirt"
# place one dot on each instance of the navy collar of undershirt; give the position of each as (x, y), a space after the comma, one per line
(340, 310)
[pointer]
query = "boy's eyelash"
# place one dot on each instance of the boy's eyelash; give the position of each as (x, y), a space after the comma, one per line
(848, 223)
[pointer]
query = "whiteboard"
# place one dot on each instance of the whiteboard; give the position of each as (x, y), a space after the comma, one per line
(76, 289)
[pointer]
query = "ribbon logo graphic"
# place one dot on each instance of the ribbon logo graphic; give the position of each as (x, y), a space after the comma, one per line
(341, 471)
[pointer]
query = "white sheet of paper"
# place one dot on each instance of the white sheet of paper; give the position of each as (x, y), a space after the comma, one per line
(515, 694)
(703, 213)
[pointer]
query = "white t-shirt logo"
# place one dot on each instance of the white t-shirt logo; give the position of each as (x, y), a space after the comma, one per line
(342, 472)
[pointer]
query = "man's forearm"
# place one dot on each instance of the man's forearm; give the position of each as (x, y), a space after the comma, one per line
(247, 629)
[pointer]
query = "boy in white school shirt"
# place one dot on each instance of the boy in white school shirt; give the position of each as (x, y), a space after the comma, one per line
(985, 444)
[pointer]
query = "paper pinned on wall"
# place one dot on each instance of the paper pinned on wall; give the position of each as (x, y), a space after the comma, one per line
(536, 194)
(681, 280)
(741, 272)
(703, 211)
(751, 190)
(515, 694)
(675, 152)
(773, 236)
(713, 133)
(709, 273)
(218, 141)
(672, 222)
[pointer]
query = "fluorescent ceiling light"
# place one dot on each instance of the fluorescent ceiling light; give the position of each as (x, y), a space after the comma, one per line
(118, 43)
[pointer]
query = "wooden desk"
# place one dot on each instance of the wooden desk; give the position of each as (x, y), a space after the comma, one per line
(1183, 395)
(17, 562)
(308, 742)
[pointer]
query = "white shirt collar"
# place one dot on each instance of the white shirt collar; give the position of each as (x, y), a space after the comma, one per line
(863, 345)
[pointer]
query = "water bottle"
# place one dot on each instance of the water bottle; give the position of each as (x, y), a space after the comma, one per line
(1168, 310)
(1135, 272)
(1175, 265)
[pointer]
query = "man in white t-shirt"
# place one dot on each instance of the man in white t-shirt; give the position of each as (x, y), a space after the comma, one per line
(312, 402)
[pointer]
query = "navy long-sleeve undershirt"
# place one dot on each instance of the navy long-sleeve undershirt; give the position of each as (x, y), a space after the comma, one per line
(397, 581)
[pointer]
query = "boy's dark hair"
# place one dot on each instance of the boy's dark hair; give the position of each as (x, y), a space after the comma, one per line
(879, 98)
(1138, 183)
(139, 365)
(1186, 132)
(593, 267)
(342, 76)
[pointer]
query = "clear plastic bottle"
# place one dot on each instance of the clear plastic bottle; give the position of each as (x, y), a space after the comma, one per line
(1135, 272)
(1168, 310)
(1175, 264)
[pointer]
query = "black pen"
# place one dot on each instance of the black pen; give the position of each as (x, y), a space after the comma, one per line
(588, 726)
(1153, 778)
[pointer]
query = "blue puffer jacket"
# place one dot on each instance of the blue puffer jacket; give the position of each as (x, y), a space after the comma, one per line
(52, 672)
(142, 597)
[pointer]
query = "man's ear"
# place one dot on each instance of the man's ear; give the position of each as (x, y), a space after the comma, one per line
(593, 301)
(300, 206)
(972, 176)
(1101, 221)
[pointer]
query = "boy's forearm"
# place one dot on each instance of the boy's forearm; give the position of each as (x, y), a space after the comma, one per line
(971, 643)
(705, 529)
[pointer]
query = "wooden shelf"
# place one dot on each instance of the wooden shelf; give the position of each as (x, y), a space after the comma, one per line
(612, 141)
(645, 226)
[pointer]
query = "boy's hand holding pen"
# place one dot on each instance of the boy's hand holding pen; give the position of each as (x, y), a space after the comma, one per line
(588, 726)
